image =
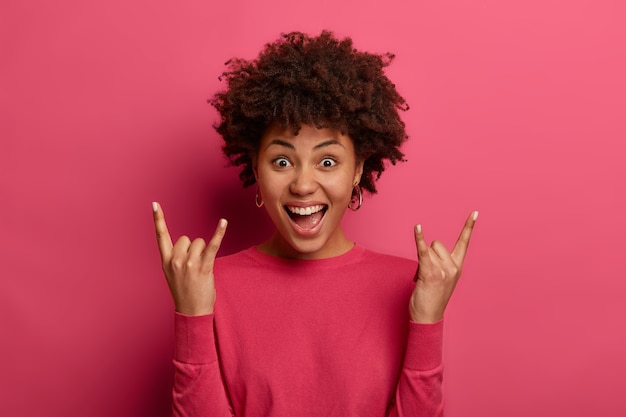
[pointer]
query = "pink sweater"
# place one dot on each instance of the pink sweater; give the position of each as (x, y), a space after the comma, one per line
(327, 337)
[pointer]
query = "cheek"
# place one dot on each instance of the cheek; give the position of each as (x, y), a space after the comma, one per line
(341, 188)
(271, 186)
(269, 193)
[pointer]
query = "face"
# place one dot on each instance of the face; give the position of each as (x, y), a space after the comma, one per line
(306, 182)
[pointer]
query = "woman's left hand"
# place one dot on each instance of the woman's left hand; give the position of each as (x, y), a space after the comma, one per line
(438, 271)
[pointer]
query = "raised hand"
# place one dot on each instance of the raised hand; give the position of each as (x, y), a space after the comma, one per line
(188, 266)
(438, 272)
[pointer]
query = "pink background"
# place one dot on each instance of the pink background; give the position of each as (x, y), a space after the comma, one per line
(517, 110)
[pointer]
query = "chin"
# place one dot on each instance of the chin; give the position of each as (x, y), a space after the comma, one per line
(307, 249)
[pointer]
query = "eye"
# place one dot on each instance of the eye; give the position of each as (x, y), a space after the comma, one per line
(328, 162)
(281, 162)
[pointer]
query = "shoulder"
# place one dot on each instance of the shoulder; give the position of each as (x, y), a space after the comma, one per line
(370, 265)
(241, 258)
(384, 273)
(387, 261)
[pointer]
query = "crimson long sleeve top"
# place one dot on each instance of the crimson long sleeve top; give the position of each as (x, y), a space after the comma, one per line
(328, 337)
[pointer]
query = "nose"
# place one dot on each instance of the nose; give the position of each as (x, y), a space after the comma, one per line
(304, 182)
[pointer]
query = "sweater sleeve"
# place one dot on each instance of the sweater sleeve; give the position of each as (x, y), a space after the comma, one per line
(419, 391)
(198, 387)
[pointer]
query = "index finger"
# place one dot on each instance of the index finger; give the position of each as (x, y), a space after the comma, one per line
(420, 243)
(163, 235)
(460, 248)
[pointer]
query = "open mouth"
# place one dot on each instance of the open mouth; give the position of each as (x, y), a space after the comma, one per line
(306, 218)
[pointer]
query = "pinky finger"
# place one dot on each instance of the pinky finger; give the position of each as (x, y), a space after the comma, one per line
(214, 244)
(460, 248)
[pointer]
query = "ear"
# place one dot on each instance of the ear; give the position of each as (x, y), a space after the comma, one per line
(358, 172)
(255, 171)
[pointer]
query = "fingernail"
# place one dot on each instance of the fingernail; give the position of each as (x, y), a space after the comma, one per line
(418, 228)
(223, 223)
(155, 206)
(475, 216)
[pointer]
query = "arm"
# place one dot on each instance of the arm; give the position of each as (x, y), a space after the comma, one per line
(419, 390)
(198, 386)
(188, 267)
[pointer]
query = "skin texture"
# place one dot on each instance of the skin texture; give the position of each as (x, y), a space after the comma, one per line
(438, 272)
(315, 167)
(188, 266)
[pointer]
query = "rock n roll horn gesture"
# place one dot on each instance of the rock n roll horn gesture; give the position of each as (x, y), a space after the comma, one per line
(438, 271)
(188, 266)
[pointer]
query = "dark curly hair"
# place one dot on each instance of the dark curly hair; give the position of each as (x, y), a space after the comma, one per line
(320, 81)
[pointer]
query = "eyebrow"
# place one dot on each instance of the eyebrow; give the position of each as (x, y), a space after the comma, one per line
(318, 146)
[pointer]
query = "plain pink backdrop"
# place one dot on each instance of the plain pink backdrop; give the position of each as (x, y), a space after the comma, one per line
(517, 109)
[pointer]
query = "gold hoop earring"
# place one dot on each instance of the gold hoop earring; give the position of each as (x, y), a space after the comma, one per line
(258, 200)
(357, 198)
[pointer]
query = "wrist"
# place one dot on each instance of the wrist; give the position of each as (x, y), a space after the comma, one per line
(423, 317)
(195, 306)
(194, 310)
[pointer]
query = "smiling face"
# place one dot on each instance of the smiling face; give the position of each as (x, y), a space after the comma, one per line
(306, 182)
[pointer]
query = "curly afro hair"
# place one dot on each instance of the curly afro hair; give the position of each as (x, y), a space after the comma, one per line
(320, 81)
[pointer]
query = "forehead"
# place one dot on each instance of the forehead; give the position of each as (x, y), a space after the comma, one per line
(309, 137)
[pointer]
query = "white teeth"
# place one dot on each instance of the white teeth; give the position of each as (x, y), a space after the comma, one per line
(305, 211)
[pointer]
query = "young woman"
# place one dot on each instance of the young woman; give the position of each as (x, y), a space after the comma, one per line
(309, 323)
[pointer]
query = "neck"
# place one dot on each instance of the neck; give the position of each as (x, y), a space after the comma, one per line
(277, 246)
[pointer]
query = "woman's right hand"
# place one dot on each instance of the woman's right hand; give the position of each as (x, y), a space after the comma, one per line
(188, 266)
